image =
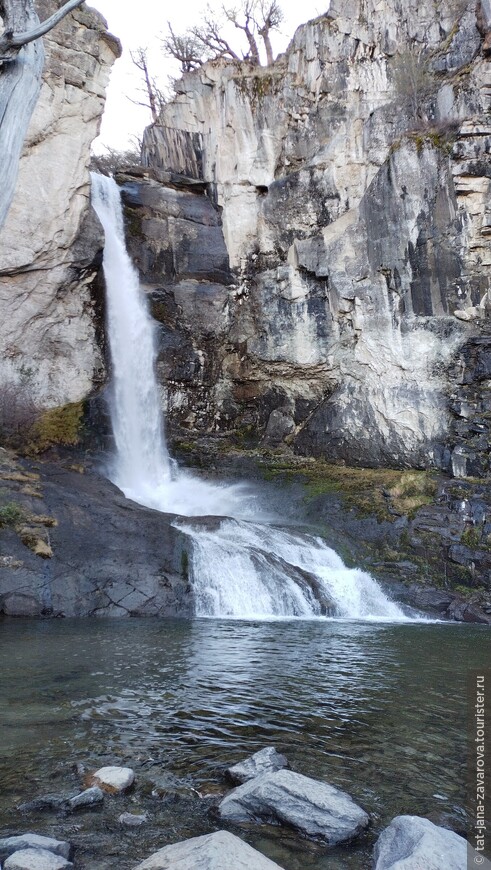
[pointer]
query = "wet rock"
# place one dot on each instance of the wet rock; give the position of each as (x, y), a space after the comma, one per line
(113, 780)
(111, 557)
(411, 842)
(265, 761)
(219, 851)
(88, 798)
(132, 820)
(36, 859)
(44, 803)
(314, 808)
(9, 845)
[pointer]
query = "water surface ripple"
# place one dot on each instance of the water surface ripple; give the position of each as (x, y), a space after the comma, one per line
(376, 709)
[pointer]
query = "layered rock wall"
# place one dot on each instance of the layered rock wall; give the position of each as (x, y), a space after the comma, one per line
(354, 210)
(49, 242)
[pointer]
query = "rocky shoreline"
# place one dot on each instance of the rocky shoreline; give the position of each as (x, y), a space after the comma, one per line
(269, 793)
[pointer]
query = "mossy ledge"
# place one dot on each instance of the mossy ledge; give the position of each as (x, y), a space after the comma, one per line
(57, 426)
(381, 492)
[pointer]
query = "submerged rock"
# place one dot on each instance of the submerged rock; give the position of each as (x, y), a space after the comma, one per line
(9, 845)
(44, 803)
(132, 820)
(88, 798)
(265, 761)
(113, 780)
(411, 843)
(219, 851)
(36, 859)
(314, 808)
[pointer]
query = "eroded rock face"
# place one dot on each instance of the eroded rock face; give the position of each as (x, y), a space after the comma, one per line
(356, 225)
(48, 243)
(110, 557)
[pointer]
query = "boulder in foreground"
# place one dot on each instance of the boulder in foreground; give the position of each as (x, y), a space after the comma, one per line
(219, 851)
(36, 859)
(9, 845)
(314, 808)
(412, 843)
(265, 761)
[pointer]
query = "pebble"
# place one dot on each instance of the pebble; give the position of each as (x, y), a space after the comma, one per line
(132, 820)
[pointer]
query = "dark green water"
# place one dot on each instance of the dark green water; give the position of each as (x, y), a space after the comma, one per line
(378, 710)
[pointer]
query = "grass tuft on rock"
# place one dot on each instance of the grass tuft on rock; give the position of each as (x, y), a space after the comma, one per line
(57, 426)
(383, 492)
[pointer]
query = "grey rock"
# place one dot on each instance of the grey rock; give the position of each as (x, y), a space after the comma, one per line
(265, 761)
(36, 859)
(219, 851)
(46, 802)
(132, 820)
(412, 843)
(38, 242)
(8, 845)
(314, 808)
(349, 281)
(113, 779)
(280, 425)
(111, 557)
(88, 798)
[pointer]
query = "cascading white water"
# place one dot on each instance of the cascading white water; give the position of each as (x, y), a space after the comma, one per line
(141, 467)
(244, 569)
(239, 567)
(142, 462)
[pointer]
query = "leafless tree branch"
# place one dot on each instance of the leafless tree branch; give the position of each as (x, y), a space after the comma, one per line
(11, 42)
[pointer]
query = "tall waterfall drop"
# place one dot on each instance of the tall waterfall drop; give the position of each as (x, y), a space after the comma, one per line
(240, 566)
(142, 462)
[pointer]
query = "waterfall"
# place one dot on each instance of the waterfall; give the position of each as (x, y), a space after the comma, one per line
(142, 463)
(240, 566)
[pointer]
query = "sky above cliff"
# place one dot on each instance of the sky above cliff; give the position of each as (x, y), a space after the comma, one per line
(123, 120)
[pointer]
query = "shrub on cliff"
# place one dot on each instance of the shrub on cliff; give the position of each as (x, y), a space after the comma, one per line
(18, 413)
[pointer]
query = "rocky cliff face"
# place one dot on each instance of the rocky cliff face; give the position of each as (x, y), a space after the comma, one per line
(350, 185)
(49, 242)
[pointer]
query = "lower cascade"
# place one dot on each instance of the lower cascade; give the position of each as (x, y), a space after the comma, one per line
(239, 567)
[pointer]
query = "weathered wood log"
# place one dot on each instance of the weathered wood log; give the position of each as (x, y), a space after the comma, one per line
(20, 83)
(14, 38)
(21, 66)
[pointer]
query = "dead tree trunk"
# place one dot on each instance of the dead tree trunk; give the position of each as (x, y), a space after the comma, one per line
(21, 66)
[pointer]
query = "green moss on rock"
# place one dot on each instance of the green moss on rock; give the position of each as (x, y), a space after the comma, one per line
(58, 426)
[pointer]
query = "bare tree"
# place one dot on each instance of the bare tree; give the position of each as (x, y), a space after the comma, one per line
(115, 161)
(272, 16)
(205, 41)
(242, 17)
(21, 64)
(209, 36)
(14, 37)
(155, 98)
(186, 49)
